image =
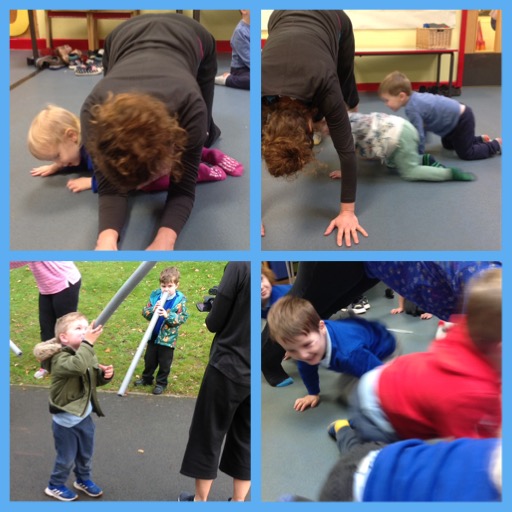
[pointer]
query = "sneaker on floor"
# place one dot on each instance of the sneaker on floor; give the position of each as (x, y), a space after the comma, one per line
(499, 140)
(358, 307)
(60, 492)
(365, 303)
(186, 496)
(336, 426)
(89, 487)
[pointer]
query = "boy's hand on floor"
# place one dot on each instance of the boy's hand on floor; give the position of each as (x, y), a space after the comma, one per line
(301, 404)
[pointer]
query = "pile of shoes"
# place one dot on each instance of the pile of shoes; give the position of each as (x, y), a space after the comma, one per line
(64, 56)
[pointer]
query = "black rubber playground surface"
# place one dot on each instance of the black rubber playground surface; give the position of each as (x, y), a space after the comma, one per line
(139, 447)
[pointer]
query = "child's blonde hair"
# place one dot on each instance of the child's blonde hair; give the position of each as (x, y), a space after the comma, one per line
(170, 275)
(48, 129)
(395, 83)
(483, 309)
(291, 317)
(64, 322)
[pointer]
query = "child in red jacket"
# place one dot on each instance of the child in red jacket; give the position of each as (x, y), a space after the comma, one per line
(453, 390)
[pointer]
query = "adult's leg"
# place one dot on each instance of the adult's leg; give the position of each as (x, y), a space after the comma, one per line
(331, 285)
(52, 307)
(236, 454)
(206, 81)
(212, 416)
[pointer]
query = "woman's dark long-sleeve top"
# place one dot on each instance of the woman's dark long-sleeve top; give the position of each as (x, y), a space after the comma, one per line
(230, 320)
(300, 60)
(172, 58)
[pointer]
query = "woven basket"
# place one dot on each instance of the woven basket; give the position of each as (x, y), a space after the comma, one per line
(433, 38)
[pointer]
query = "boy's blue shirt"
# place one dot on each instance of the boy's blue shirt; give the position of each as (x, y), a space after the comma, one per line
(355, 346)
(432, 113)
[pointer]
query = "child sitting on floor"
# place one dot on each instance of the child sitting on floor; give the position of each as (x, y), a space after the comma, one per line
(55, 135)
(394, 141)
(239, 75)
(452, 390)
(452, 121)
(352, 346)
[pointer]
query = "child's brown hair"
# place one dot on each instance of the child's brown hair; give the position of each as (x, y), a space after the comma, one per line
(63, 323)
(134, 139)
(291, 317)
(269, 274)
(170, 275)
(49, 128)
(483, 308)
(395, 83)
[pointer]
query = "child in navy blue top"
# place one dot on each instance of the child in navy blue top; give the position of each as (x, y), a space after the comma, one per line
(160, 348)
(454, 122)
(352, 346)
(270, 291)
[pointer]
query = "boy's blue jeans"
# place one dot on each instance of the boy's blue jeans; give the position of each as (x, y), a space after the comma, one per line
(74, 446)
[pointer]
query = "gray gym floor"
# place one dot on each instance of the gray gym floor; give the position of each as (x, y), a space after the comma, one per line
(397, 215)
(296, 451)
(45, 215)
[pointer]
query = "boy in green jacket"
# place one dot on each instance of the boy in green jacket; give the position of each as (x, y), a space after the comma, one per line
(75, 373)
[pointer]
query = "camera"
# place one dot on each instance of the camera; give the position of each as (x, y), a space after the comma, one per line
(206, 305)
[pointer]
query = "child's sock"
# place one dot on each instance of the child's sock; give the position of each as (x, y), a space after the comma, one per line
(430, 161)
(217, 157)
(336, 426)
(208, 172)
(458, 175)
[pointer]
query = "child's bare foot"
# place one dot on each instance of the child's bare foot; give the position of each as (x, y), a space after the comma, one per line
(335, 175)
(221, 79)
(79, 184)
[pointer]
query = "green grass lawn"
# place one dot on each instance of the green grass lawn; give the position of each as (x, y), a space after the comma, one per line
(125, 329)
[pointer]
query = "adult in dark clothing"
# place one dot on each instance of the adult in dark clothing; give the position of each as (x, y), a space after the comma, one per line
(307, 73)
(435, 286)
(223, 407)
(150, 116)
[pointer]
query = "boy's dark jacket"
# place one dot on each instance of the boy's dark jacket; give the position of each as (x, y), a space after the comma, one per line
(74, 376)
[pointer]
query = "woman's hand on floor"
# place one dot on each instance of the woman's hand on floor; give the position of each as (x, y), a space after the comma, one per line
(348, 227)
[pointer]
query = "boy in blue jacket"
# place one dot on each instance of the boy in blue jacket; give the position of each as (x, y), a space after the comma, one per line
(352, 346)
(160, 348)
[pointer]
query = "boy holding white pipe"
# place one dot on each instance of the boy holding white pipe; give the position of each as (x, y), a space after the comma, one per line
(160, 348)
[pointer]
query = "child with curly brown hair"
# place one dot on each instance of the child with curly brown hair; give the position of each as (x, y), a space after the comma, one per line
(307, 73)
(151, 116)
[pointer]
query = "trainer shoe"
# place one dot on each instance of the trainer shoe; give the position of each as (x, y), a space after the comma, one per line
(336, 426)
(158, 390)
(60, 492)
(89, 487)
(359, 307)
(142, 382)
(499, 140)
(186, 496)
